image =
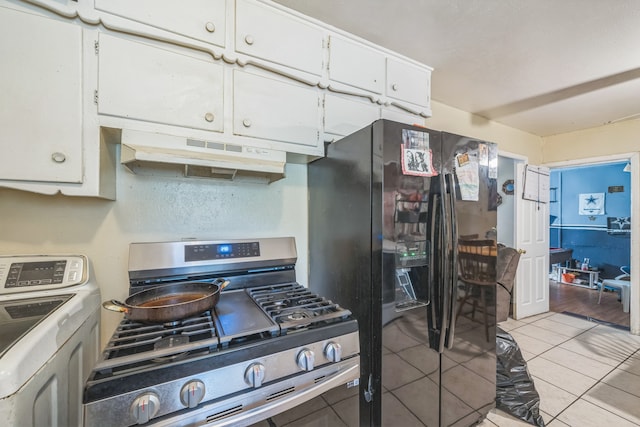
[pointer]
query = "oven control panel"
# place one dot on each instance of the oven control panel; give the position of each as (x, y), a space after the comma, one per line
(20, 274)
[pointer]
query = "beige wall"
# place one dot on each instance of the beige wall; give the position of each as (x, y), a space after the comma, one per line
(508, 139)
(152, 208)
(617, 138)
(161, 206)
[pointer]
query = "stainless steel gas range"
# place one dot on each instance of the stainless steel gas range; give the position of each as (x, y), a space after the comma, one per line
(268, 345)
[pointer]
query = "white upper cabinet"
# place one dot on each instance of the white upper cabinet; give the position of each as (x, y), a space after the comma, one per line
(355, 64)
(345, 115)
(144, 82)
(41, 91)
(203, 20)
(402, 117)
(268, 108)
(271, 34)
(246, 73)
(408, 82)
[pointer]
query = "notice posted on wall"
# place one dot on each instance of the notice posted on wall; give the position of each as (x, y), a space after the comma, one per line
(416, 155)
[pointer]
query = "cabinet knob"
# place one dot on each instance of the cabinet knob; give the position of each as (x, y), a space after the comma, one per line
(394, 86)
(58, 157)
(210, 27)
(246, 123)
(249, 39)
(209, 117)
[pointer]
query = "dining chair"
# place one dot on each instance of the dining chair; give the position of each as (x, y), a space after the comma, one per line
(477, 273)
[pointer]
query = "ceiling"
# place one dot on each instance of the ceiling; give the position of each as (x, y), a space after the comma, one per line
(544, 66)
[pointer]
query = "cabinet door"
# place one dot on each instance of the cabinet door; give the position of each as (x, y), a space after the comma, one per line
(356, 65)
(343, 116)
(200, 19)
(267, 33)
(41, 92)
(276, 110)
(144, 82)
(402, 117)
(408, 82)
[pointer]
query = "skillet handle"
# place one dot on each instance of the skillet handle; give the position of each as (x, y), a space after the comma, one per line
(115, 305)
(222, 283)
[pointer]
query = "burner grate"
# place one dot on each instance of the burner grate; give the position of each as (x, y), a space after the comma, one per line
(135, 344)
(134, 337)
(295, 307)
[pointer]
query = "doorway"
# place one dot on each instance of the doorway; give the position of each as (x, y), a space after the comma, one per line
(590, 210)
(634, 164)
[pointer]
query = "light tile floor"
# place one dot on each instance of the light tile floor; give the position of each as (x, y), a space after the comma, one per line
(586, 374)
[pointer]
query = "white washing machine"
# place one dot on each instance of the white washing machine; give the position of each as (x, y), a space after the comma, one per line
(49, 338)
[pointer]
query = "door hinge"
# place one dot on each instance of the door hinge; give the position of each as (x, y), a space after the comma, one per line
(96, 46)
(95, 97)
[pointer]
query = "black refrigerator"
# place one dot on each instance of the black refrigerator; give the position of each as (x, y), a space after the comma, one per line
(388, 207)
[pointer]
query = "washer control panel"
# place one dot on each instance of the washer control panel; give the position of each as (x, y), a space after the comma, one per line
(41, 272)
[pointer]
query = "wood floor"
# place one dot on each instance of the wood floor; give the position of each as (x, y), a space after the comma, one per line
(584, 301)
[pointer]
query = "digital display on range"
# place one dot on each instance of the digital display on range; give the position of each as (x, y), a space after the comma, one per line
(213, 251)
(35, 273)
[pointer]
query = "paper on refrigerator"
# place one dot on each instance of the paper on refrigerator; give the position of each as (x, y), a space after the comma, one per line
(467, 172)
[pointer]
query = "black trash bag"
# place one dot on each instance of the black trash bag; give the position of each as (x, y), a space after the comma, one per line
(515, 392)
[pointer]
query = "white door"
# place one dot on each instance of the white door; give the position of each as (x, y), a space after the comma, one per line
(531, 294)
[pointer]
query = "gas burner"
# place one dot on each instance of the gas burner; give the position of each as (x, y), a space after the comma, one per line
(296, 315)
(171, 341)
(171, 324)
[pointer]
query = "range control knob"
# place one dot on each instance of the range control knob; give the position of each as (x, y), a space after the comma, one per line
(306, 360)
(145, 407)
(192, 393)
(254, 375)
(333, 352)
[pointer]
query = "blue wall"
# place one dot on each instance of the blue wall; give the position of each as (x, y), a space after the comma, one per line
(588, 236)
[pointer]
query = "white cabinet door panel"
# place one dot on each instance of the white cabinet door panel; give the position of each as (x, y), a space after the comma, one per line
(144, 82)
(343, 116)
(272, 109)
(402, 117)
(356, 65)
(199, 19)
(41, 92)
(407, 82)
(270, 34)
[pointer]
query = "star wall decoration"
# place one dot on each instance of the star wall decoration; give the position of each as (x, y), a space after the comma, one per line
(591, 200)
(591, 204)
(618, 224)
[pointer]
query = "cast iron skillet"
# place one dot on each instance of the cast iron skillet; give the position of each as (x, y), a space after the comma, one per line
(168, 303)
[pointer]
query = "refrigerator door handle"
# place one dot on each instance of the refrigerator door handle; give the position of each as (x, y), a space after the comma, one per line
(434, 202)
(453, 260)
(444, 268)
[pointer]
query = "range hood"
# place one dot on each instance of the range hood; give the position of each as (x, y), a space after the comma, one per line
(199, 158)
